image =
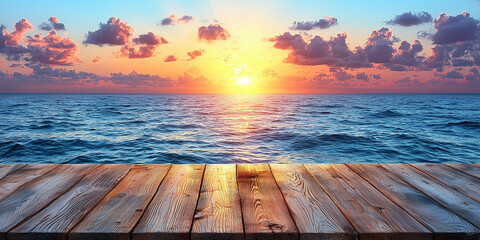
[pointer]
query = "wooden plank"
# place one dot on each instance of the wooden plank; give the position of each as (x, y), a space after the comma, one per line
(315, 214)
(170, 213)
(23, 175)
(6, 169)
(444, 223)
(116, 215)
(218, 214)
(30, 198)
(460, 181)
(440, 192)
(469, 168)
(265, 213)
(373, 215)
(54, 221)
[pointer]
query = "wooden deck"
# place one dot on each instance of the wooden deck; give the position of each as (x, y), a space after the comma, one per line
(244, 201)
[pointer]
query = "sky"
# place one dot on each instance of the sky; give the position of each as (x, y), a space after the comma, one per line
(240, 46)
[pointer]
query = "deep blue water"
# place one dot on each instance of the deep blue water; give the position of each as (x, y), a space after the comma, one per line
(118, 128)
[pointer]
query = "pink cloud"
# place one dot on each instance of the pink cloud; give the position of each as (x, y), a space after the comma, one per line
(170, 58)
(52, 49)
(212, 32)
(143, 46)
(97, 59)
(194, 54)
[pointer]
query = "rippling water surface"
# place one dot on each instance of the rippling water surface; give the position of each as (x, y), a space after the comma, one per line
(117, 128)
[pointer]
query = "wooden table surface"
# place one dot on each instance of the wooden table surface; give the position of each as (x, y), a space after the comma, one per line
(243, 201)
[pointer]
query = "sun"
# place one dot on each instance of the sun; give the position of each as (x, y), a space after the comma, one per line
(244, 81)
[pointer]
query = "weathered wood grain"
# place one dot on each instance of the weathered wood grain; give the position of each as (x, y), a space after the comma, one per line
(471, 169)
(315, 214)
(218, 214)
(54, 221)
(30, 198)
(460, 181)
(6, 169)
(440, 192)
(265, 214)
(11, 182)
(116, 215)
(170, 213)
(445, 224)
(373, 215)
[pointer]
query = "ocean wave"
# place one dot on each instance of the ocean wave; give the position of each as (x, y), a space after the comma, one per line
(464, 124)
(387, 114)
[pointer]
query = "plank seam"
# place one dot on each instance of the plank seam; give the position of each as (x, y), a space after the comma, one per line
(284, 200)
(456, 169)
(478, 226)
(150, 201)
(240, 199)
(454, 188)
(196, 204)
(54, 199)
(24, 165)
(28, 181)
(394, 202)
(96, 204)
(336, 203)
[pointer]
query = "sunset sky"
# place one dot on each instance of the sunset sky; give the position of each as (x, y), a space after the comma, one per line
(240, 46)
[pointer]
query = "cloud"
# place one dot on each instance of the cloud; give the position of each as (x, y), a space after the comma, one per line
(172, 20)
(453, 29)
(13, 39)
(457, 40)
(320, 24)
(97, 59)
(185, 19)
(47, 76)
(143, 46)
(454, 75)
(212, 32)
(333, 52)
(411, 19)
(379, 46)
(170, 58)
(114, 32)
(407, 54)
(52, 25)
(362, 76)
(194, 54)
(51, 49)
(134, 79)
(192, 78)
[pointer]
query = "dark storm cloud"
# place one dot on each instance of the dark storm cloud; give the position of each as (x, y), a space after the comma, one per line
(143, 46)
(309, 25)
(410, 19)
(453, 29)
(212, 32)
(114, 32)
(53, 24)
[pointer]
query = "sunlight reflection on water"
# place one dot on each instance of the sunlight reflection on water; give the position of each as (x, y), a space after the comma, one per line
(239, 128)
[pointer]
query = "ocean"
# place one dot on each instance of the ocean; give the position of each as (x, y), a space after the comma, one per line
(324, 128)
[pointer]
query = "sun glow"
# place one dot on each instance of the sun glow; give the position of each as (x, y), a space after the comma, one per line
(244, 81)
